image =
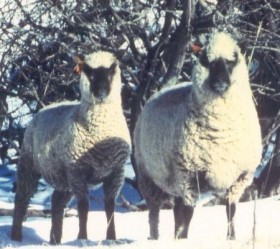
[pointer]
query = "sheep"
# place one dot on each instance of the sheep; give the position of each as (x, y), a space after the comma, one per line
(73, 145)
(199, 138)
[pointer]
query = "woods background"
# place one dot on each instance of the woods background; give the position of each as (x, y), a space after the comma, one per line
(154, 41)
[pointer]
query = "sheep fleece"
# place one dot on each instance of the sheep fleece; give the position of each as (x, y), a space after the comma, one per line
(185, 135)
(60, 144)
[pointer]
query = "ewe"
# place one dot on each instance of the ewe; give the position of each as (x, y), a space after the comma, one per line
(76, 144)
(192, 139)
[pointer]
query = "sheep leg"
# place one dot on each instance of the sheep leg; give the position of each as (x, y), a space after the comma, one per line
(182, 216)
(154, 197)
(154, 209)
(233, 196)
(59, 201)
(83, 208)
(111, 187)
(79, 188)
(27, 182)
(230, 209)
(109, 210)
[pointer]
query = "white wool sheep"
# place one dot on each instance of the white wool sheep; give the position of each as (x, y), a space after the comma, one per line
(76, 144)
(192, 139)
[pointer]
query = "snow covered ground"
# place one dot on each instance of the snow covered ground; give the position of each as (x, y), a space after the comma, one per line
(257, 224)
(207, 230)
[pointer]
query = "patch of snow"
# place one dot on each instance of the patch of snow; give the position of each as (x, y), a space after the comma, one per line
(207, 229)
(257, 223)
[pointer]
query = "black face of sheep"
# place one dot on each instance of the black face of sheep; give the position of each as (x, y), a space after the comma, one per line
(219, 72)
(100, 80)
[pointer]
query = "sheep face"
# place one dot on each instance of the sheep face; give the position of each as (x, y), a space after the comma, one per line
(100, 80)
(217, 63)
(100, 77)
(220, 71)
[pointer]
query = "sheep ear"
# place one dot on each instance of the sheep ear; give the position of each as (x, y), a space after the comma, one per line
(112, 68)
(243, 44)
(79, 60)
(120, 53)
(196, 48)
(235, 57)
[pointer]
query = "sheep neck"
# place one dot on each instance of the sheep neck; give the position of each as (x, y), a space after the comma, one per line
(219, 127)
(223, 114)
(97, 116)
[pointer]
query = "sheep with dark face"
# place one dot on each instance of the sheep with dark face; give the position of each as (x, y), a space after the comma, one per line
(76, 144)
(192, 139)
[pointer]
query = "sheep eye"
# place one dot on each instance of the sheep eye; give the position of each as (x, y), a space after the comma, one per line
(231, 63)
(90, 73)
(92, 77)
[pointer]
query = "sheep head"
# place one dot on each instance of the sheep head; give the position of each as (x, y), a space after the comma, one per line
(100, 77)
(218, 64)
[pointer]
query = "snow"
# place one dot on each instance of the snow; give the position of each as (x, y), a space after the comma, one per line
(207, 229)
(257, 223)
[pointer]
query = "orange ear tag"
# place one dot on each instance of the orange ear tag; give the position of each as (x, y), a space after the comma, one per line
(78, 68)
(195, 48)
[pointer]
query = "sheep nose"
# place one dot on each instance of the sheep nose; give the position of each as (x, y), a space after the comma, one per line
(220, 87)
(102, 94)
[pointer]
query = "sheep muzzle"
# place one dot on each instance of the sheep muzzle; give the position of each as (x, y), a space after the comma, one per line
(101, 94)
(219, 75)
(219, 87)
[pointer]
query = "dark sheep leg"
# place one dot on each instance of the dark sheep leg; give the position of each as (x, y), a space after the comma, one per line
(109, 210)
(233, 196)
(83, 208)
(155, 197)
(27, 182)
(59, 202)
(111, 187)
(154, 209)
(230, 209)
(79, 188)
(182, 216)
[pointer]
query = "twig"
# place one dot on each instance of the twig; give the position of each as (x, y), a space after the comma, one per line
(45, 213)
(126, 204)
(273, 129)
(256, 39)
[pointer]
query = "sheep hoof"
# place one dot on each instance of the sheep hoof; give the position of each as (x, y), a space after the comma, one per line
(231, 232)
(231, 237)
(82, 236)
(54, 242)
(111, 238)
(16, 235)
(153, 238)
(181, 236)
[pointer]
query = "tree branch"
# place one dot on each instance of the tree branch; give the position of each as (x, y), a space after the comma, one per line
(181, 39)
